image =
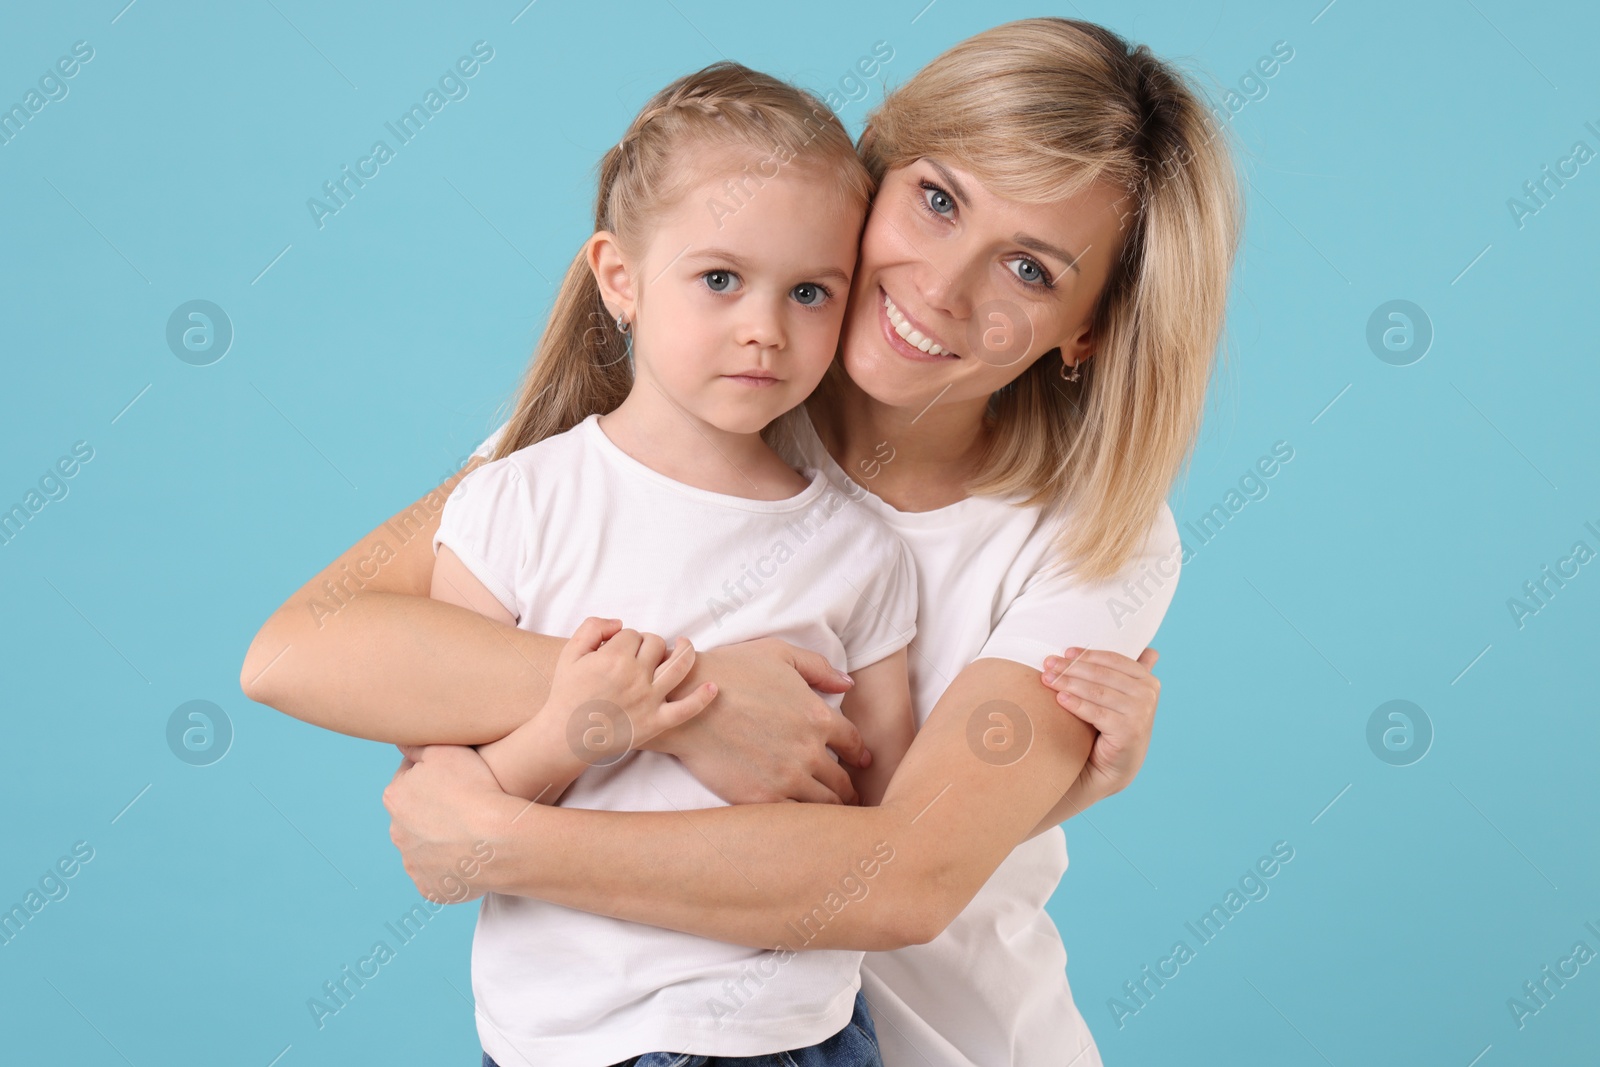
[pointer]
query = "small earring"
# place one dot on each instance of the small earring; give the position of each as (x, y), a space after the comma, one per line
(1069, 377)
(622, 325)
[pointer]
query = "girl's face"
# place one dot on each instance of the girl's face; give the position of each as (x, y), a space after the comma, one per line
(958, 291)
(737, 301)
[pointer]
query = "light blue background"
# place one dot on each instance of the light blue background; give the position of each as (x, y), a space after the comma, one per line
(371, 357)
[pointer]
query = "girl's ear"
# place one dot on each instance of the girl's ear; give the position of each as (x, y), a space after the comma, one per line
(612, 273)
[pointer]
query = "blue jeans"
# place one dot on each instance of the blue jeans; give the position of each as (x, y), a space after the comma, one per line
(854, 1046)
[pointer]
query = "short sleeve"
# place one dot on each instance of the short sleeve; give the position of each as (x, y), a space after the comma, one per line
(884, 619)
(1053, 612)
(487, 522)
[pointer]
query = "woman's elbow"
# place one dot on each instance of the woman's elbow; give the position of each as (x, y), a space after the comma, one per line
(254, 676)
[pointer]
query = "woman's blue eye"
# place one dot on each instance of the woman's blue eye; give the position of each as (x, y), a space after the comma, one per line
(720, 281)
(809, 294)
(938, 199)
(1030, 272)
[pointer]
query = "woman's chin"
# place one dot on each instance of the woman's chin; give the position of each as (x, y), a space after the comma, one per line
(887, 377)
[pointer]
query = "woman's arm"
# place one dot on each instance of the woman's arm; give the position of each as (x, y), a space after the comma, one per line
(361, 649)
(755, 874)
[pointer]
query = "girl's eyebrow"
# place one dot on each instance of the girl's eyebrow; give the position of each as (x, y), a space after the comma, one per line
(1022, 239)
(722, 255)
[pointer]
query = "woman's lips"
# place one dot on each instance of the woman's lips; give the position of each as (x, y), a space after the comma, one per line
(900, 344)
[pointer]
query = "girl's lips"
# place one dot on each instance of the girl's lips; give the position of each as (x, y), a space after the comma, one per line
(900, 344)
(752, 380)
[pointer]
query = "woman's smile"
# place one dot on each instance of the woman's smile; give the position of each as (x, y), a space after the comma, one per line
(893, 321)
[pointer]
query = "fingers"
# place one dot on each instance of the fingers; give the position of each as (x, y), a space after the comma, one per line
(845, 739)
(677, 667)
(589, 636)
(833, 781)
(1148, 658)
(1120, 674)
(818, 672)
(652, 649)
(677, 712)
(626, 641)
(1107, 721)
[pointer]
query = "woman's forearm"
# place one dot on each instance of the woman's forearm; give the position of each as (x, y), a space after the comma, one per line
(736, 873)
(797, 875)
(401, 668)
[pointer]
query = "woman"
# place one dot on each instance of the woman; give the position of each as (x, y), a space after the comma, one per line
(1056, 214)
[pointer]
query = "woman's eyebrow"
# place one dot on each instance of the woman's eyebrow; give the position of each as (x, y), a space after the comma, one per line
(1050, 250)
(1022, 239)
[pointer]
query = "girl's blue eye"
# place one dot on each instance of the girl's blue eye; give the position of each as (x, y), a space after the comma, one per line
(937, 199)
(809, 294)
(1030, 272)
(721, 281)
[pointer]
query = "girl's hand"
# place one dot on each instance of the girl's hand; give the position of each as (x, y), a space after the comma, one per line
(1117, 696)
(766, 737)
(617, 682)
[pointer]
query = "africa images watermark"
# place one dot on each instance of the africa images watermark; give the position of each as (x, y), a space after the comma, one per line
(340, 592)
(1198, 533)
(339, 991)
(737, 192)
(452, 87)
(753, 977)
(1206, 929)
(1537, 593)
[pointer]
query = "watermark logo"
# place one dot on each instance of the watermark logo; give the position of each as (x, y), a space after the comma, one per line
(599, 733)
(999, 732)
(199, 733)
(1399, 733)
(999, 333)
(199, 333)
(1399, 333)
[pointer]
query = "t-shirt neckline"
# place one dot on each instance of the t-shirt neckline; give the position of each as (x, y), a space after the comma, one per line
(949, 515)
(609, 448)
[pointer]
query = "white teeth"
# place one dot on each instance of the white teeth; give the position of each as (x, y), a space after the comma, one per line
(914, 338)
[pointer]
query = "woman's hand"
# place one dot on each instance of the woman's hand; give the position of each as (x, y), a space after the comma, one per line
(1117, 696)
(766, 736)
(436, 800)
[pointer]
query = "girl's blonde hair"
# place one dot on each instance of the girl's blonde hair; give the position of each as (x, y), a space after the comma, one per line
(1037, 110)
(580, 366)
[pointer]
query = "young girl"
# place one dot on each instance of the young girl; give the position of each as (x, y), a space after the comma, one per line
(705, 307)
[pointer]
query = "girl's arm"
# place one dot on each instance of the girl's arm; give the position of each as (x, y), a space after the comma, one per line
(752, 874)
(361, 649)
(880, 706)
(617, 698)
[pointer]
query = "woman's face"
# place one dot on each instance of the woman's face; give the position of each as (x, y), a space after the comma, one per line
(957, 291)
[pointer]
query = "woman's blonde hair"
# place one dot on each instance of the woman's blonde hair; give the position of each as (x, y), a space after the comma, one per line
(580, 366)
(1038, 110)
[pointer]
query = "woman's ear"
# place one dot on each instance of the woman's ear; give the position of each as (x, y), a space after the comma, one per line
(612, 273)
(1077, 348)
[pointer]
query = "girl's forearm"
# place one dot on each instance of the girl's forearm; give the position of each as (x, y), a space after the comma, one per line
(398, 667)
(534, 761)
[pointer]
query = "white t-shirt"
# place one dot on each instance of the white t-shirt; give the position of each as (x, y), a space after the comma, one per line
(991, 990)
(571, 527)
